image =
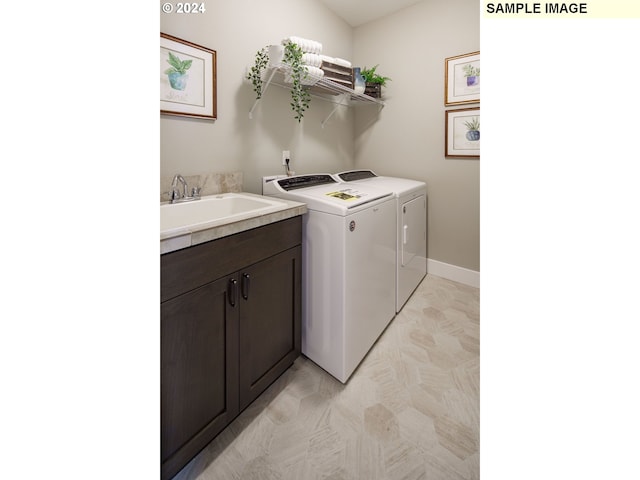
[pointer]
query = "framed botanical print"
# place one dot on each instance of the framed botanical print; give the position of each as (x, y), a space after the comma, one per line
(187, 78)
(462, 79)
(462, 133)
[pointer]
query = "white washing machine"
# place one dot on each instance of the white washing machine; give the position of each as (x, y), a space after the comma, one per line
(348, 253)
(411, 227)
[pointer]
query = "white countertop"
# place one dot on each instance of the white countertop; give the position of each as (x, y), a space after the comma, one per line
(190, 236)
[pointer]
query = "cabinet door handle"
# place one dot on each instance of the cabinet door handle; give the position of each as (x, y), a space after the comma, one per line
(245, 285)
(232, 291)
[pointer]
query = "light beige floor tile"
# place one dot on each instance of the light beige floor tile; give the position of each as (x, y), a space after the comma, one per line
(410, 411)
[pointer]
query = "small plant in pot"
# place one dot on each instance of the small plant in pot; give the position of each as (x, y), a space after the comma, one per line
(473, 129)
(295, 75)
(178, 72)
(374, 81)
(472, 74)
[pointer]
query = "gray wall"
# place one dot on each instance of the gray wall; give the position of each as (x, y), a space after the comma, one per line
(408, 138)
(405, 139)
(236, 30)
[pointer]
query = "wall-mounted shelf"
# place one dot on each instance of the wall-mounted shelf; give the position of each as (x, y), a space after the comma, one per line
(319, 87)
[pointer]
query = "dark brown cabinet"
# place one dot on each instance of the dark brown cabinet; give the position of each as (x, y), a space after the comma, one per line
(269, 322)
(230, 326)
(199, 369)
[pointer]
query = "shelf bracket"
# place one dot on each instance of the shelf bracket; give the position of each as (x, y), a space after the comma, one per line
(337, 105)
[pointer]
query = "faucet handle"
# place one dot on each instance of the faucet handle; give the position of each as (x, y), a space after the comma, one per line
(195, 191)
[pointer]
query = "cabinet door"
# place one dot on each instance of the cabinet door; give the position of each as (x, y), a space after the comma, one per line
(270, 316)
(199, 338)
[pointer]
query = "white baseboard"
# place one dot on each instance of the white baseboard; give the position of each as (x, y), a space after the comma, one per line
(452, 272)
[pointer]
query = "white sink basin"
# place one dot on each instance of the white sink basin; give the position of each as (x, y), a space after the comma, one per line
(214, 210)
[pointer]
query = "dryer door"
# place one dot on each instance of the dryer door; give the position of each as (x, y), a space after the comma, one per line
(413, 229)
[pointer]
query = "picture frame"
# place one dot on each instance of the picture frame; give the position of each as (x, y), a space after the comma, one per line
(462, 79)
(187, 79)
(462, 133)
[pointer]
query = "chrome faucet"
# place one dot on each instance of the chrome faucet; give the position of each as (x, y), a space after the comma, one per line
(185, 197)
(174, 184)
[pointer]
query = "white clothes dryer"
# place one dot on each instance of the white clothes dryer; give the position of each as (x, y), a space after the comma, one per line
(411, 227)
(348, 269)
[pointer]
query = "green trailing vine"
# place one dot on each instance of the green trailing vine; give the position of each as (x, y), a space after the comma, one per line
(300, 96)
(255, 72)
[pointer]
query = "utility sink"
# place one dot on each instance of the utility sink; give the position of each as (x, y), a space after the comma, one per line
(214, 210)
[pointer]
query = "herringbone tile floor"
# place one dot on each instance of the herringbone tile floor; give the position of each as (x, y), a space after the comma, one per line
(410, 411)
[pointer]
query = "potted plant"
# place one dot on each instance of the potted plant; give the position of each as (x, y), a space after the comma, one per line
(373, 81)
(472, 73)
(473, 129)
(296, 74)
(178, 72)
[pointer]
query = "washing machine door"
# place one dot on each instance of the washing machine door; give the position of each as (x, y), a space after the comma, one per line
(413, 230)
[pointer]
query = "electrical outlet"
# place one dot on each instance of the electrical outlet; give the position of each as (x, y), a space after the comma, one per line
(286, 154)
